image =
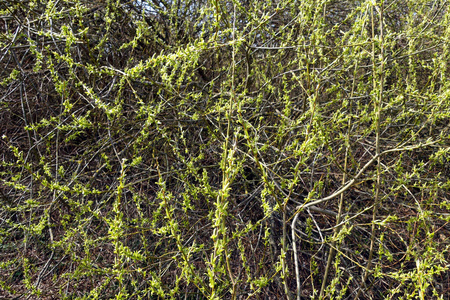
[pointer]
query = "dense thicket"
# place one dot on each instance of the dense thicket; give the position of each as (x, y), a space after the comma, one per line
(222, 149)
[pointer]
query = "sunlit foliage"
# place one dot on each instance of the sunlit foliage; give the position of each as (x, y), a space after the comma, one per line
(224, 149)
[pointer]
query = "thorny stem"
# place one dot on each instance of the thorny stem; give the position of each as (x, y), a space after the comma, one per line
(341, 201)
(226, 180)
(336, 230)
(361, 171)
(378, 105)
(294, 248)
